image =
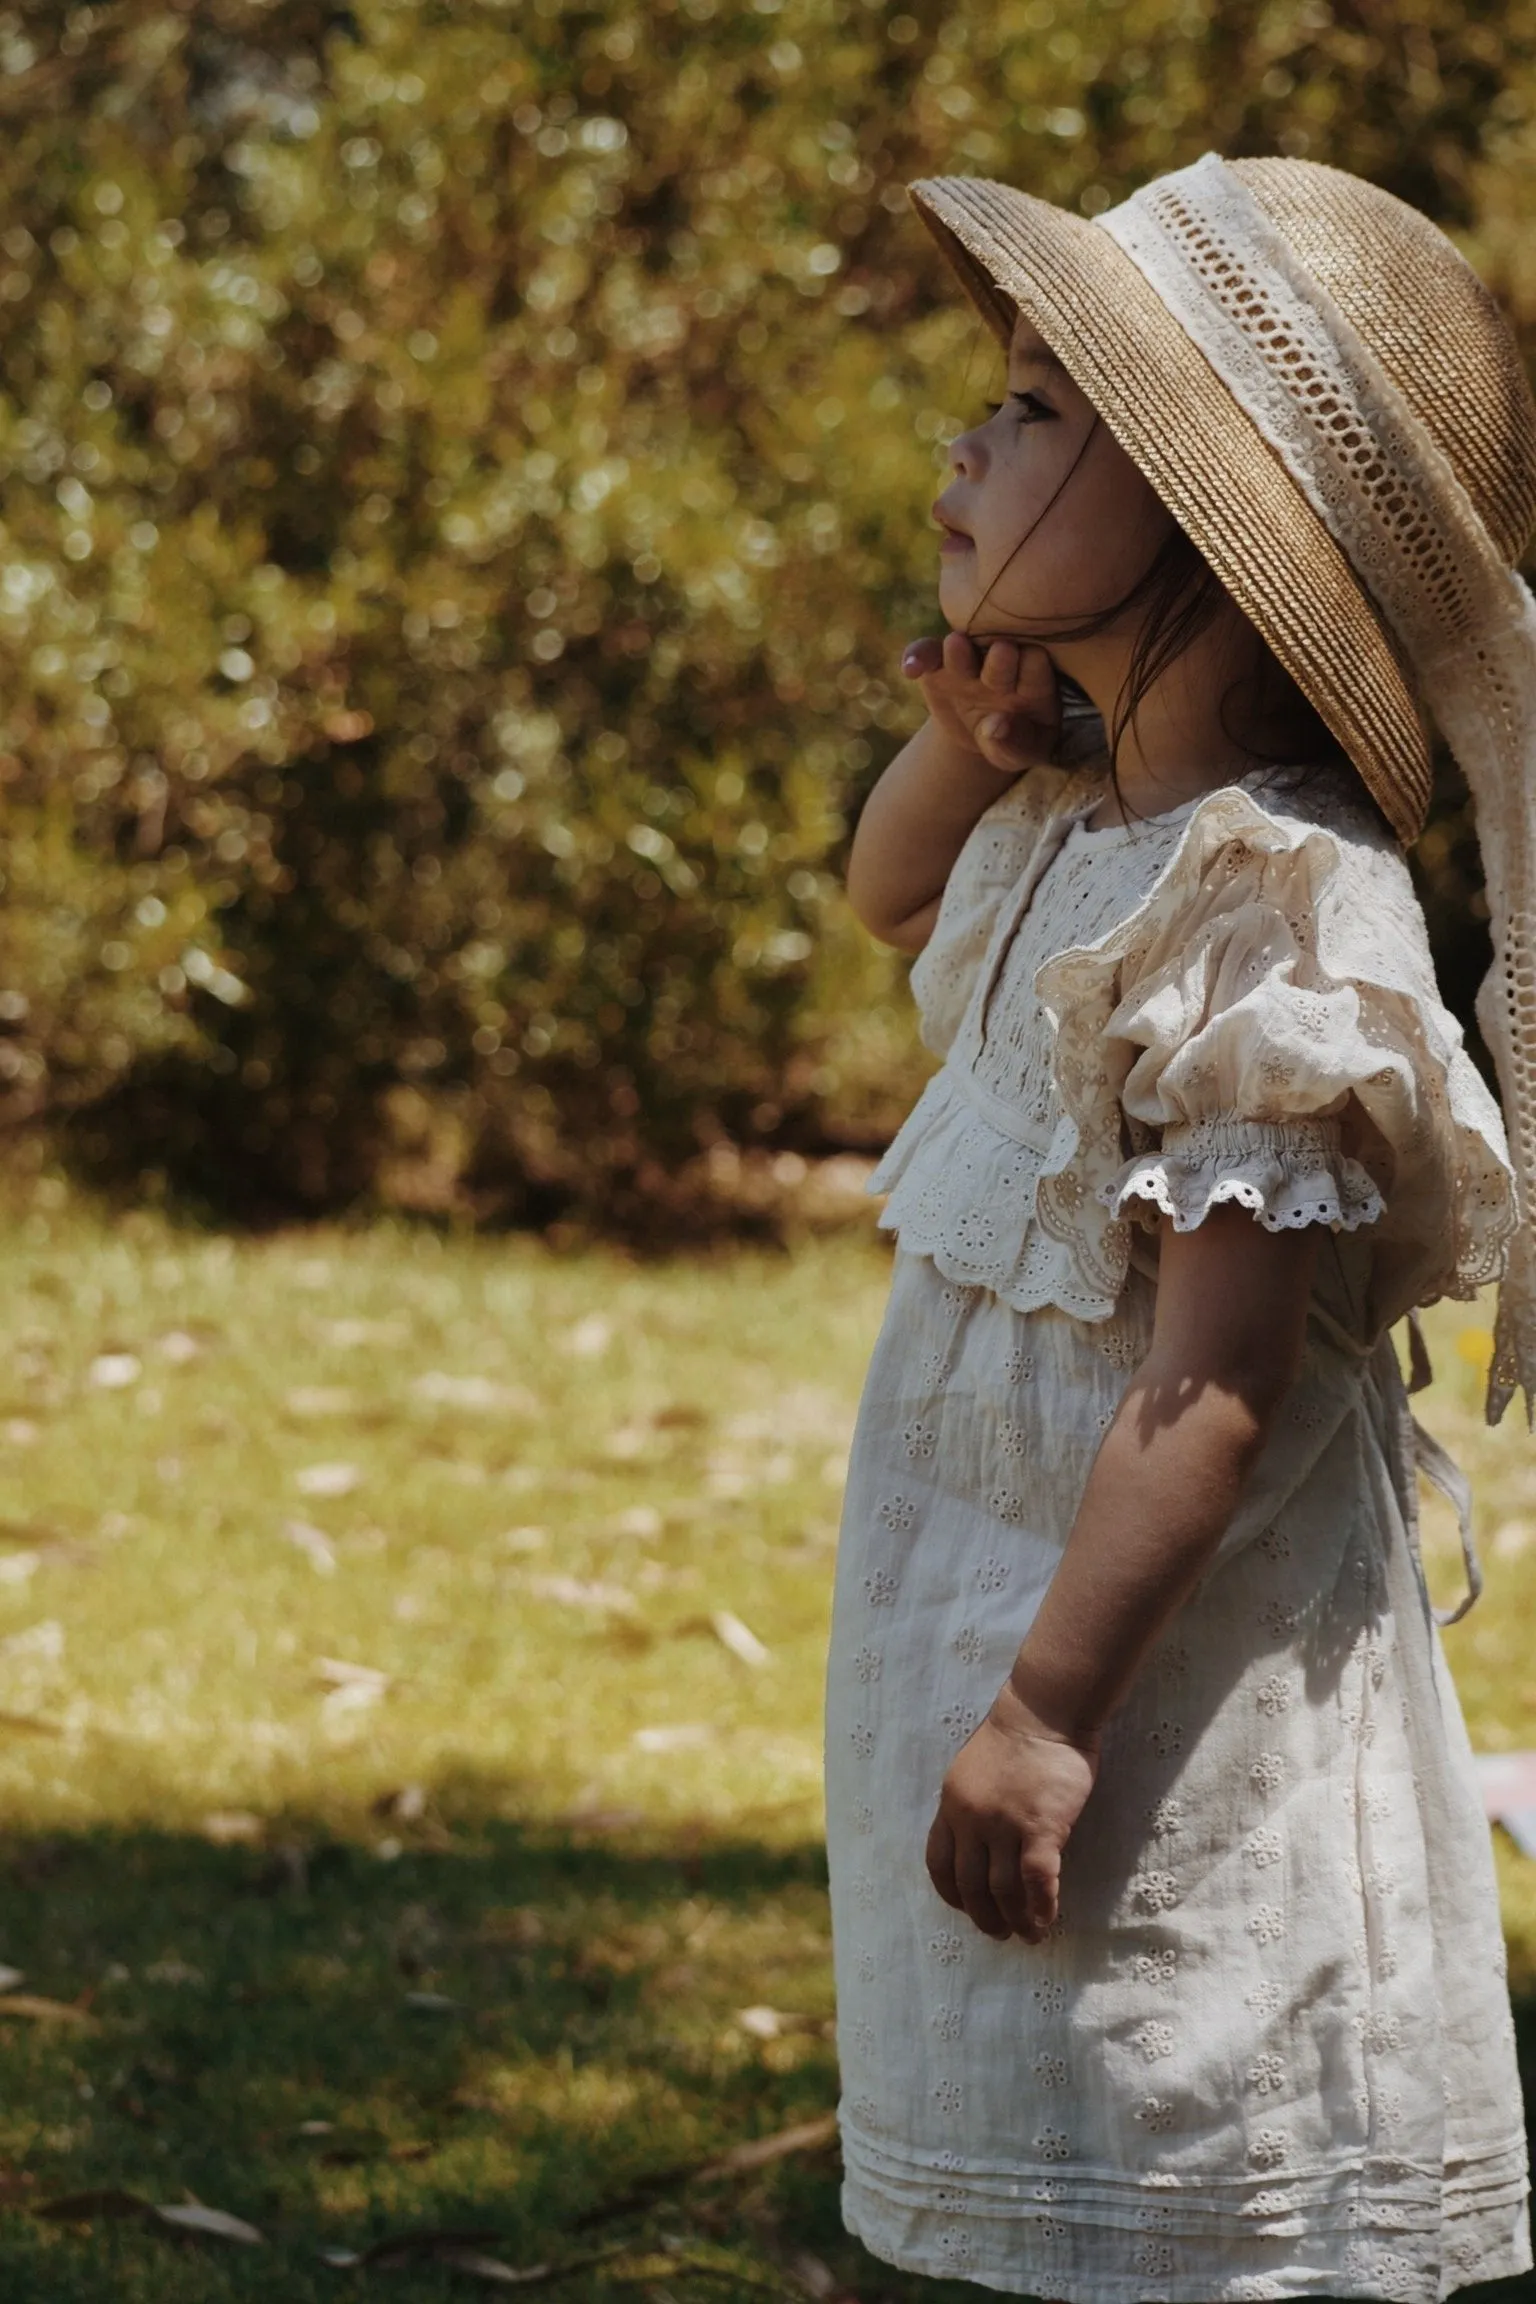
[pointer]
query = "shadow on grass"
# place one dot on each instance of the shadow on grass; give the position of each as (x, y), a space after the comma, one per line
(520, 2032)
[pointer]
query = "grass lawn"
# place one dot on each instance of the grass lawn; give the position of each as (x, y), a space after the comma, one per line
(403, 1829)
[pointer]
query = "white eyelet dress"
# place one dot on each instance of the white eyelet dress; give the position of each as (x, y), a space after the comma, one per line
(1267, 2051)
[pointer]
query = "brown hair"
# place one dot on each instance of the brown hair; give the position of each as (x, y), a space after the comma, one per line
(1182, 596)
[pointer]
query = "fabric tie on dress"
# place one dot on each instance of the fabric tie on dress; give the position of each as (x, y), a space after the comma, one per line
(1462, 618)
(1442, 1472)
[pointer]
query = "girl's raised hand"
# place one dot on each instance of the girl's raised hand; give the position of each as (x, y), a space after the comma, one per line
(1007, 1807)
(995, 697)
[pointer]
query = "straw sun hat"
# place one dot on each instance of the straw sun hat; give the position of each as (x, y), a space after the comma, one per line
(1332, 406)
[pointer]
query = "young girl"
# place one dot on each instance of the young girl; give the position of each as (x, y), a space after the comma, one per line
(1168, 1953)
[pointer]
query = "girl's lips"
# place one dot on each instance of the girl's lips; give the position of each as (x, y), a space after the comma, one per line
(954, 541)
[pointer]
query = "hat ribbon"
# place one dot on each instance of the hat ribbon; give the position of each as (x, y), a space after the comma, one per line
(1464, 619)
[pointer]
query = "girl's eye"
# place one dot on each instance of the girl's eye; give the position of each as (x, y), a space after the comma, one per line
(1032, 410)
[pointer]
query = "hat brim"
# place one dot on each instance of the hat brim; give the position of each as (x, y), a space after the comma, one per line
(1210, 465)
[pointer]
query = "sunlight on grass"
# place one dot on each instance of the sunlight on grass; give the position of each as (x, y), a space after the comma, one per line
(397, 1790)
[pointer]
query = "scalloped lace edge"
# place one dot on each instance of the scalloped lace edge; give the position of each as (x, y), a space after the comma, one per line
(1315, 1196)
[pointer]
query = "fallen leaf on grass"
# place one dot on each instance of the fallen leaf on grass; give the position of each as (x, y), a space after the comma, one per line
(186, 2216)
(731, 1633)
(319, 1400)
(590, 1337)
(407, 1804)
(726, 1627)
(44, 1641)
(313, 1543)
(740, 2160)
(336, 1672)
(10, 1978)
(677, 1736)
(232, 1827)
(478, 1393)
(430, 2004)
(36, 2008)
(114, 1371)
(462, 2252)
(572, 1592)
(328, 1479)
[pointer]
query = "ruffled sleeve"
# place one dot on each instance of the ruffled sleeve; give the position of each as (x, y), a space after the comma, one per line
(1266, 1029)
(998, 852)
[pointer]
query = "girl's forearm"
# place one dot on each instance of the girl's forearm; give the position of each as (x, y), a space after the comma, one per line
(913, 826)
(1161, 1495)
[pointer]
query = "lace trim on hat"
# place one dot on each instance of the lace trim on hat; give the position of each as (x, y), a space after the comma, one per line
(1391, 499)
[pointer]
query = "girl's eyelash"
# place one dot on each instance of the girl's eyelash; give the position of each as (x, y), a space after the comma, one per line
(1028, 401)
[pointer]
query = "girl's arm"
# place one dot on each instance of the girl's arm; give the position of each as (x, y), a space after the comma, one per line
(1226, 1347)
(992, 713)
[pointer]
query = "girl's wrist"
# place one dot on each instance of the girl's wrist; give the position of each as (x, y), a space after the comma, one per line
(1026, 1706)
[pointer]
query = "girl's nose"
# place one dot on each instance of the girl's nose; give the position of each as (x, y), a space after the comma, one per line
(966, 455)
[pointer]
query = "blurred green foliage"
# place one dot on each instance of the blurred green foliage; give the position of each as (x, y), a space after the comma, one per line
(464, 472)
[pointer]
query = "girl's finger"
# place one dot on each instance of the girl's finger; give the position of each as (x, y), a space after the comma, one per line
(940, 1859)
(920, 657)
(959, 656)
(1000, 666)
(1035, 686)
(972, 1874)
(1006, 744)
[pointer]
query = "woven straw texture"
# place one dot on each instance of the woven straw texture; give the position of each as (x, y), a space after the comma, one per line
(1434, 328)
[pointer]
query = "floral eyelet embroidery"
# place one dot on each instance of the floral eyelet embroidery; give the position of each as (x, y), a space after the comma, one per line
(1155, 1891)
(1265, 1924)
(1050, 2071)
(1268, 1772)
(948, 2023)
(1263, 1849)
(898, 1513)
(1019, 1367)
(919, 1440)
(1050, 1997)
(1274, 1543)
(1267, 2074)
(862, 1738)
(948, 2095)
(993, 1574)
(1264, 1999)
(946, 1947)
(1005, 1506)
(1166, 1815)
(1159, 1969)
(1155, 2114)
(863, 1818)
(1167, 1739)
(1269, 2148)
(866, 1665)
(968, 1645)
(959, 1721)
(1273, 1695)
(1154, 2257)
(1051, 2144)
(1155, 2040)
(881, 1588)
(1379, 2035)
(1278, 1620)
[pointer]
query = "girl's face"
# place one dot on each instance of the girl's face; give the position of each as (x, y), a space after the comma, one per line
(1091, 544)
